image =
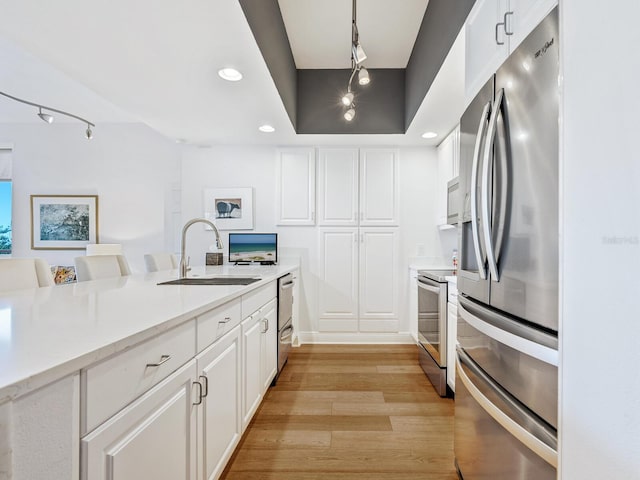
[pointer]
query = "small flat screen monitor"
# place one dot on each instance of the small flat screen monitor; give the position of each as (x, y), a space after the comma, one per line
(253, 247)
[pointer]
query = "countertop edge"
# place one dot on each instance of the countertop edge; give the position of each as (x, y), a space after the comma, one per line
(59, 371)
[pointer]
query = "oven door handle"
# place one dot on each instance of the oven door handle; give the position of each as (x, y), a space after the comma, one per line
(429, 288)
(286, 334)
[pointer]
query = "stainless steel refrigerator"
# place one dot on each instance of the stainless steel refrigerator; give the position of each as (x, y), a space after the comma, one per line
(507, 355)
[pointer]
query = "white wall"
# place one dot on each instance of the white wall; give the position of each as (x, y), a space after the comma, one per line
(256, 166)
(129, 166)
(600, 245)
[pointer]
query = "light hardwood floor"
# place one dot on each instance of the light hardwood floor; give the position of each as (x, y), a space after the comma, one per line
(349, 412)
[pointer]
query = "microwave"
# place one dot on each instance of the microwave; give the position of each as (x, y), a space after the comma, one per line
(453, 201)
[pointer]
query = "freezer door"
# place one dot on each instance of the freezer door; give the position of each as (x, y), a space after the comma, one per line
(473, 273)
(524, 180)
(522, 360)
(495, 437)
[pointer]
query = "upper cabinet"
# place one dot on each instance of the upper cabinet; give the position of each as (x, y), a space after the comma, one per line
(338, 186)
(379, 187)
(358, 187)
(296, 176)
(493, 30)
(448, 166)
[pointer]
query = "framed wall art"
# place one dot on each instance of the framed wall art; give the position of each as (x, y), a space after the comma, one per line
(229, 208)
(63, 222)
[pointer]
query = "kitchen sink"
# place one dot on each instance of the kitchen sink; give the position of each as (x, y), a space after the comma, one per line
(217, 280)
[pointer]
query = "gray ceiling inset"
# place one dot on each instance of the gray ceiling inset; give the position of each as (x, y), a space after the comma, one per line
(308, 95)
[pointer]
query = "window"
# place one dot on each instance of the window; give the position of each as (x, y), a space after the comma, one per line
(5, 200)
(5, 217)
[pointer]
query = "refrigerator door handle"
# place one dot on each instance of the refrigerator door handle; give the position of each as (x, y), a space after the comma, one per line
(526, 437)
(521, 338)
(486, 184)
(503, 153)
(482, 127)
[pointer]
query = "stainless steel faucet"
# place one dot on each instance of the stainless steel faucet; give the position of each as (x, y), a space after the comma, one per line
(183, 258)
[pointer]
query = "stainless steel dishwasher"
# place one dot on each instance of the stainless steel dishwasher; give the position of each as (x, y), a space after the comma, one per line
(285, 325)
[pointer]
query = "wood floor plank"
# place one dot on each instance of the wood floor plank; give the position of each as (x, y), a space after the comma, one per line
(409, 440)
(325, 395)
(349, 412)
(435, 425)
(274, 439)
(322, 422)
(396, 409)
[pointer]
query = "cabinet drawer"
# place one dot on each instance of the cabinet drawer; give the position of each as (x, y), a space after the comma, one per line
(215, 323)
(254, 300)
(110, 385)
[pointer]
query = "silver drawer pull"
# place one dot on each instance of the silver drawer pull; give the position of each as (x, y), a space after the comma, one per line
(226, 320)
(163, 359)
(205, 385)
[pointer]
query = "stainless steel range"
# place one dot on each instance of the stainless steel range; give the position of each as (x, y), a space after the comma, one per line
(432, 326)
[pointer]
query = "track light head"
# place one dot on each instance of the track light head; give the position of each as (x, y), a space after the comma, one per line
(89, 132)
(347, 99)
(363, 76)
(358, 53)
(45, 116)
(350, 114)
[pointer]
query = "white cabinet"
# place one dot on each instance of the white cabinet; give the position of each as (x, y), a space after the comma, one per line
(378, 299)
(448, 168)
(153, 437)
(338, 187)
(338, 285)
(296, 186)
(219, 415)
(358, 288)
(379, 170)
(494, 28)
(260, 357)
(358, 187)
(269, 344)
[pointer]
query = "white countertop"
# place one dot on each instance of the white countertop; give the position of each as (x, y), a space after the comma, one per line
(48, 333)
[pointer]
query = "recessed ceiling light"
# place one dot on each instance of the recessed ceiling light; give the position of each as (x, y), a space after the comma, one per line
(429, 135)
(230, 74)
(266, 129)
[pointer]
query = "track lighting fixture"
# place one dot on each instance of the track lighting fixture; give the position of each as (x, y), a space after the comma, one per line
(357, 57)
(48, 117)
(349, 114)
(45, 116)
(363, 76)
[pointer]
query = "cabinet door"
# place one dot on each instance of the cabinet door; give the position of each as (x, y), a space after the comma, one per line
(269, 364)
(251, 367)
(338, 186)
(338, 282)
(296, 187)
(378, 299)
(154, 437)
(483, 49)
(445, 173)
(527, 14)
(379, 169)
(219, 417)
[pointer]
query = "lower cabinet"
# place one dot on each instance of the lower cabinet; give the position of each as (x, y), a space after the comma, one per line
(358, 279)
(219, 415)
(259, 337)
(153, 437)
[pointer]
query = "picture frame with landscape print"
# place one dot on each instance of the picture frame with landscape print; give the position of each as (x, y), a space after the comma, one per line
(63, 222)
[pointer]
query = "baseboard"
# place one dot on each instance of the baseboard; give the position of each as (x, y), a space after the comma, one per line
(355, 337)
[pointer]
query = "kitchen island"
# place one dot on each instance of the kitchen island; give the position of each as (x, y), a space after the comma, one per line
(70, 373)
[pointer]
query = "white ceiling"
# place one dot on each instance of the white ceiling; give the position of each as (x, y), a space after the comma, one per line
(320, 31)
(122, 61)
